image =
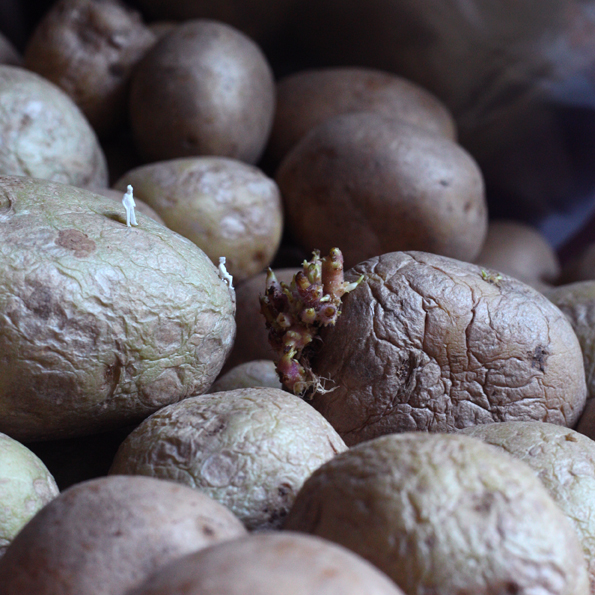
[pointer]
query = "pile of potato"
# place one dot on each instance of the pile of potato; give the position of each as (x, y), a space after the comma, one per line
(146, 443)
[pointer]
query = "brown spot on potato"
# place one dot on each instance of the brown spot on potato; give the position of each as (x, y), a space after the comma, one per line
(539, 356)
(76, 241)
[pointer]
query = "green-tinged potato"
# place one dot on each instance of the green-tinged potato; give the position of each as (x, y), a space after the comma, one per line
(370, 185)
(444, 514)
(107, 536)
(8, 53)
(519, 250)
(226, 207)
(203, 89)
(26, 486)
(89, 48)
(564, 461)
(577, 301)
(429, 343)
(260, 372)
(310, 97)
(250, 449)
(252, 341)
(269, 564)
(102, 324)
(44, 134)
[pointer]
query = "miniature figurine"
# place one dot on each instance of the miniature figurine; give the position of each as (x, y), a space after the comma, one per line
(129, 204)
(223, 272)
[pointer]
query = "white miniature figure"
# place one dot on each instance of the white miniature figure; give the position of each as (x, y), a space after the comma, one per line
(129, 204)
(223, 272)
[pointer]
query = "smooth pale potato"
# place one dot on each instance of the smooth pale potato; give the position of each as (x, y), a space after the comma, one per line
(250, 449)
(26, 486)
(44, 134)
(577, 301)
(102, 324)
(310, 97)
(443, 514)
(519, 250)
(260, 372)
(88, 48)
(107, 535)
(429, 343)
(252, 341)
(564, 461)
(269, 564)
(370, 185)
(203, 89)
(226, 207)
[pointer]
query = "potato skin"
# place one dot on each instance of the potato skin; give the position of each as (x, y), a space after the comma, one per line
(430, 343)
(269, 564)
(250, 449)
(310, 97)
(88, 48)
(102, 324)
(443, 515)
(564, 461)
(226, 207)
(44, 133)
(203, 89)
(107, 535)
(370, 185)
(260, 372)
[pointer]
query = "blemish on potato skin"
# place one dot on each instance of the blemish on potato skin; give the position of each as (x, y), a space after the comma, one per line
(539, 357)
(76, 241)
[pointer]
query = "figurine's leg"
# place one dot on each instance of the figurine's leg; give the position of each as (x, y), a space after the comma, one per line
(127, 217)
(133, 217)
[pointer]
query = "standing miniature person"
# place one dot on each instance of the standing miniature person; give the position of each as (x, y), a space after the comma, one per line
(129, 204)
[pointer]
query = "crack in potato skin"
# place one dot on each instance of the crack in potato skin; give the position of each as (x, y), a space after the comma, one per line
(426, 343)
(443, 515)
(94, 338)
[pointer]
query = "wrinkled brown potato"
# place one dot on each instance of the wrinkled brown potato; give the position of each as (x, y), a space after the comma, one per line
(204, 89)
(577, 301)
(226, 207)
(270, 564)
(310, 97)
(26, 486)
(429, 343)
(88, 48)
(370, 185)
(444, 514)
(102, 324)
(261, 372)
(141, 206)
(564, 461)
(520, 251)
(259, 19)
(8, 53)
(252, 341)
(586, 424)
(106, 536)
(250, 449)
(44, 134)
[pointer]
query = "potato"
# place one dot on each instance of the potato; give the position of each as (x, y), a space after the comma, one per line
(443, 514)
(106, 536)
(580, 268)
(577, 301)
(8, 53)
(430, 343)
(102, 324)
(520, 251)
(44, 134)
(269, 564)
(310, 97)
(260, 372)
(252, 337)
(369, 185)
(88, 48)
(250, 449)
(204, 89)
(564, 461)
(26, 486)
(226, 207)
